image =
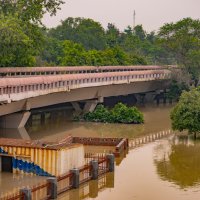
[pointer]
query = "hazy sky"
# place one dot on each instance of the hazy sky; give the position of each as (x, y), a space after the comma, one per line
(150, 13)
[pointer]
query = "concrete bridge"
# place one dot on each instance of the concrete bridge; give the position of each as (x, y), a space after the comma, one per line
(19, 95)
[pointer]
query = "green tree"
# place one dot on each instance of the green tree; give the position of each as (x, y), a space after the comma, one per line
(94, 58)
(122, 114)
(182, 40)
(17, 44)
(119, 114)
(72, 54)
(139, 32)
(79, 30)
(29, 10)
(175, 89)
(21, 36)
(114, 56)
(52, 51)
(186, 114)
(112, 35)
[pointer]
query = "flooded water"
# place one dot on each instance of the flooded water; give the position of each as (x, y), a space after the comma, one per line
(163, 170)
(57, 125)
(168, 168)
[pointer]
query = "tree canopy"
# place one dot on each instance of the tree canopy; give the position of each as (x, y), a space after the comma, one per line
(21, 36)
(79, 30)
(19, 43)
(28, 10)
(186, 114)
(80, 41)
(182, 40)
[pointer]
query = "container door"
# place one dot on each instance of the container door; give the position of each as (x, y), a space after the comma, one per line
(6, 163)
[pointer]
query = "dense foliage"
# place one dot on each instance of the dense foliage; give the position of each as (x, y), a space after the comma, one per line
(19, 42)
(24, 41)
(175, 89)
(22, 35)
(186, 114)
(182, 39)
(29, 10)
(119, 114)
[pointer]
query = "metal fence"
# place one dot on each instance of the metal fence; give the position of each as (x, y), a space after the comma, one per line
(57, 185)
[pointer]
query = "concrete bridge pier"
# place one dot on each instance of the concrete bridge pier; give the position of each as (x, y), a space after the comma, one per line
(89, 105)
(140, 98)
(23, 133)
(161, 96)
(15, 120)
(77, 107)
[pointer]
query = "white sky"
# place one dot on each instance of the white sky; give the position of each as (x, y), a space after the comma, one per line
(150, 13)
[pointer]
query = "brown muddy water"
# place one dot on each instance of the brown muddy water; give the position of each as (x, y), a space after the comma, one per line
(167, 169)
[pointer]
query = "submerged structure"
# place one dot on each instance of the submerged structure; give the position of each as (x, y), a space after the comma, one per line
(40, 157)
(46, 158)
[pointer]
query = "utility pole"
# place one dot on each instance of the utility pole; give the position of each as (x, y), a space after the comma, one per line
(134, 16)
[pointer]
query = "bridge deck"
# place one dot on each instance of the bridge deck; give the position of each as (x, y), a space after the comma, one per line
(15, 89)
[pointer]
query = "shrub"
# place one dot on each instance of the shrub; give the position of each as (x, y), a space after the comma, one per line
(119, 114)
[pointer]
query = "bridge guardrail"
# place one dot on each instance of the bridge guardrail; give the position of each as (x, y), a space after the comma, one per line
(15, 89)
(37, 71)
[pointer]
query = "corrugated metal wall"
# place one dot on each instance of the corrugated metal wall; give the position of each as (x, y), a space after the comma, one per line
(72, 158)
(44, 162)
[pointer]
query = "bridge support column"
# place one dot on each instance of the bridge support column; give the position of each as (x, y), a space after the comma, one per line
(140, 98)
(150, 97)
(76, 107)
(15, 120)
(90, 106)
(24, 134)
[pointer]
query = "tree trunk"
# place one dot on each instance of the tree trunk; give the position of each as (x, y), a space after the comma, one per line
(195, 136)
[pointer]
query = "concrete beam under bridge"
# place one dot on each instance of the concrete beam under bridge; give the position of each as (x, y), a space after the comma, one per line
(15, 120)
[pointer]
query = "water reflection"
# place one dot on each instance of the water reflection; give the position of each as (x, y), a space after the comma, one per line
(90, 189)
(134, 175)
(178, 161)
(20, 133)
(58, 124)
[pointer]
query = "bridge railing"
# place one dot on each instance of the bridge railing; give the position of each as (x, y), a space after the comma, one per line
(37, 71)
(136, 142)
(64, 182)
(27, 87)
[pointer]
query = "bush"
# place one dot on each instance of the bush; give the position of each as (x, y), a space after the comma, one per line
(119, 114)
